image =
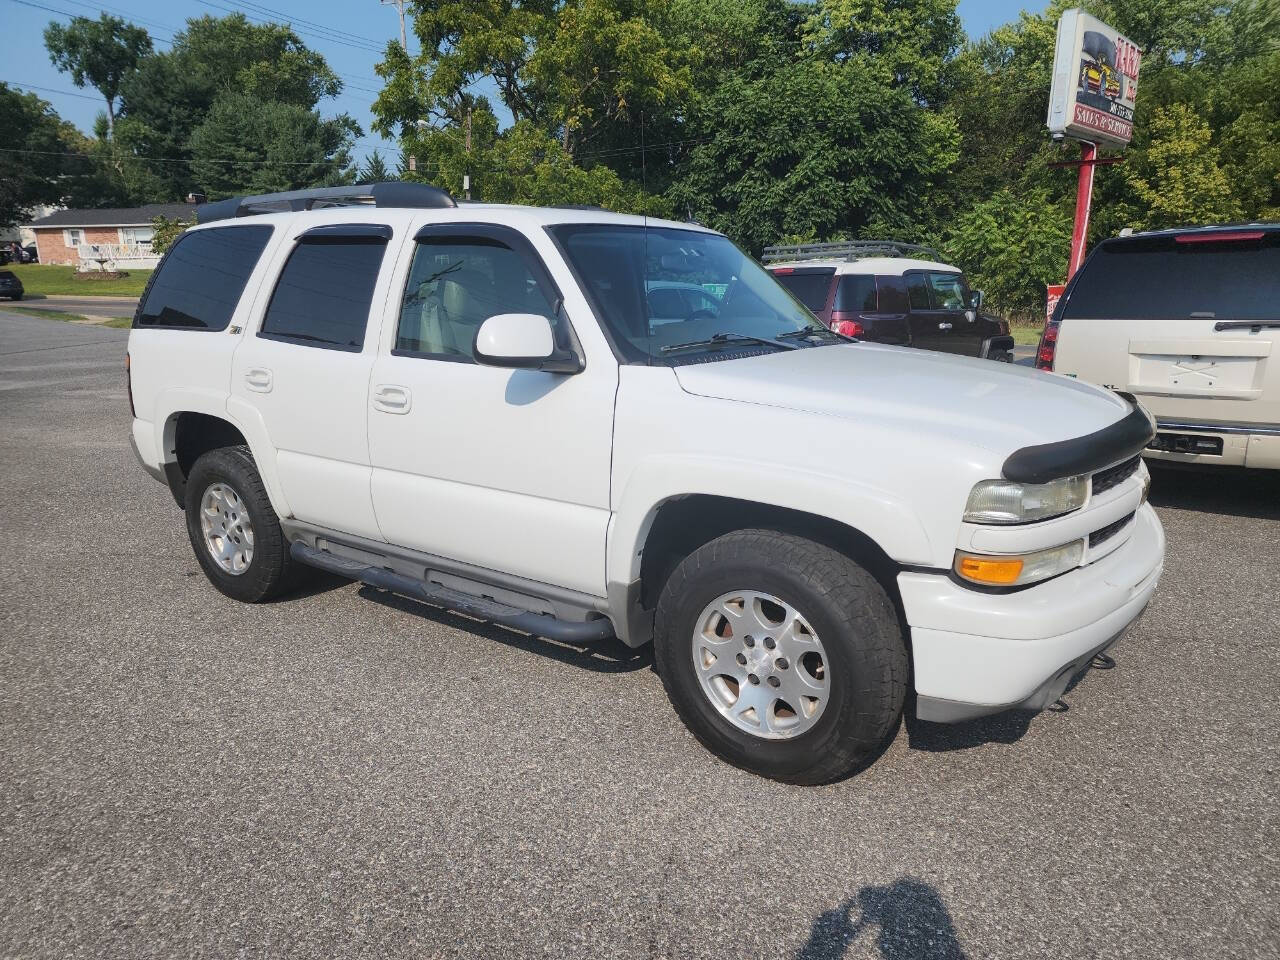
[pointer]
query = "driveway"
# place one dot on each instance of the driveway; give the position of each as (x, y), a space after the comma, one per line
(344, 773)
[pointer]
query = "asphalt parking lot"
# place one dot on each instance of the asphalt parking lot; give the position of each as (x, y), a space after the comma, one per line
(342, 774)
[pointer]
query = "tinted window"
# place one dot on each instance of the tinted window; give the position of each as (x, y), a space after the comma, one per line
(322, 298)
(1163, 279)
(457, 284)
(201, 278)
(809, 288)
(918, 291)
(856, 294)
(893, 294)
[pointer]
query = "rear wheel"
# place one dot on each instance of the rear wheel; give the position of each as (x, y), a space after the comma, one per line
(234, 530)
(781, 655)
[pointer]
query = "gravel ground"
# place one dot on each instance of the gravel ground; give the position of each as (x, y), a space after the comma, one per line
(341, 774)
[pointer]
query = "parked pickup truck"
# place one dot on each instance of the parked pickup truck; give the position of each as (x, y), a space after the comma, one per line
(472, 405)
(889, 292)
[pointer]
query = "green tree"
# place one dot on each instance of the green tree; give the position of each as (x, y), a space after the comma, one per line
(98, 53)
(172, 93)
(248, 145)
(1012, 244)
(812, 151)
(31, 173)
(1178, 177)
(165, 231)
(375, 169)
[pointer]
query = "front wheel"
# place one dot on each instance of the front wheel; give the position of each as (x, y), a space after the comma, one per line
(781, 655)
(234, 530)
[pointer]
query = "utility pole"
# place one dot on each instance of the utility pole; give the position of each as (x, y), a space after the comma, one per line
(466, 176)
(399, 5)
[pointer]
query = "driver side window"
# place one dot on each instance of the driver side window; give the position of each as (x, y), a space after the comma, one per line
(454, 285)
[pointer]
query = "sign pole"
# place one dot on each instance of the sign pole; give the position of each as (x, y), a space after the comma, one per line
(1084, 203)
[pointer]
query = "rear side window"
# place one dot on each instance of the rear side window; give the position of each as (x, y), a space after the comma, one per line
(856, 294)
(323, 296)
(809, 287)
(893, 294)
(918, 291)
(200, 280)
(1164, 279)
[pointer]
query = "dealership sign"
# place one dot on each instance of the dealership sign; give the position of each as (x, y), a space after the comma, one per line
(1095, 81)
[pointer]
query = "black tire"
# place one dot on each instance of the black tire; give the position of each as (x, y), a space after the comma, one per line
(271, 570)
(848, 609)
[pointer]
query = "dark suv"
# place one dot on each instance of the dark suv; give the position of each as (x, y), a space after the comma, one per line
(888, 293)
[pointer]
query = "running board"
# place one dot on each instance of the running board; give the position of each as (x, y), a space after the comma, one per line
(539, 624)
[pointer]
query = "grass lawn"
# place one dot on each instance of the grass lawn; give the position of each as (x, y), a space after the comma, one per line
(58, 281)
(1026, 336)
(117, 322)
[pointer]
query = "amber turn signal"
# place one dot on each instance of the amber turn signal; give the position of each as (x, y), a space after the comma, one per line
(997, 571)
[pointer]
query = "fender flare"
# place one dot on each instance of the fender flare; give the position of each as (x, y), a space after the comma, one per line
(242, 416)
(888, 520)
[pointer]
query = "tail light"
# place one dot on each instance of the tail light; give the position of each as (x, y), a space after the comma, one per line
(1048, 346)
(850, 328)
(128, 384)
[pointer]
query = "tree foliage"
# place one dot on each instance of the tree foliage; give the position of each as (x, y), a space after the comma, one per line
(98, 53)
(229, 107)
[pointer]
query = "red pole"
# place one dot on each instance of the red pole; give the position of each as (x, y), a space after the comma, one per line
(1084, 200)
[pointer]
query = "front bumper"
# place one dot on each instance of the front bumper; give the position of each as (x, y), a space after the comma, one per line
(977, 653)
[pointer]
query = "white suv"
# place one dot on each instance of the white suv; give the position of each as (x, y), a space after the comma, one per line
(1188, 320)
(474, 405)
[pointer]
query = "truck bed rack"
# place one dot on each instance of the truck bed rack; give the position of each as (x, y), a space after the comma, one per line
(848, 250)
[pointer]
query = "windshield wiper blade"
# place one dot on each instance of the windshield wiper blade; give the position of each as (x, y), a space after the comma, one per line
(717, 339)
(811, 331)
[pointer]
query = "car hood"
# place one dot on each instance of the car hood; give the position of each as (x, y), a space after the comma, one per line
(998, 406)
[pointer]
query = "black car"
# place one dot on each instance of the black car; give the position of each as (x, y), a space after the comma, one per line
(10, 285)
(889, 292)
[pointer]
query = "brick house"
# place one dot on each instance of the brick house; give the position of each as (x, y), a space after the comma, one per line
(120, 233)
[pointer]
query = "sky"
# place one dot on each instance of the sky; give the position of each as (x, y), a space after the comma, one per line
(349, 33)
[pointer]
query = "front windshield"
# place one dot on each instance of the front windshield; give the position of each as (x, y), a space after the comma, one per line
(663, 287)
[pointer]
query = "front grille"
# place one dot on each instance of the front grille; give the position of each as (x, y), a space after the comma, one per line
(1113, 476)
(1103, 534)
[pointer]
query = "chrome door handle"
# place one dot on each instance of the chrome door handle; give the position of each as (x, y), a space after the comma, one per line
(258, 379)
(390, 398)
(944, 326)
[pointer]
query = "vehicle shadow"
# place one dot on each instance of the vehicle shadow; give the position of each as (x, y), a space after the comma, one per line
(1234, 492)
(603, 656)
(910, 918)
(1007, 727)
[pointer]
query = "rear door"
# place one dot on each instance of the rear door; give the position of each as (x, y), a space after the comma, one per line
(812, 286)
(304, 368)
(1189, 323)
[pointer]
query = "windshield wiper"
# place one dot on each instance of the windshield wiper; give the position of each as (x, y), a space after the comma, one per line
(811, 331)
(717, 339)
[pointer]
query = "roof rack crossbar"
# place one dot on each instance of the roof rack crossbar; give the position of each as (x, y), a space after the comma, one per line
(394, 194)
(846, 250)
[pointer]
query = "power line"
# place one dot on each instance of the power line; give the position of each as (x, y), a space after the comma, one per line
(65, 93)
(368, 47)
(139, 156)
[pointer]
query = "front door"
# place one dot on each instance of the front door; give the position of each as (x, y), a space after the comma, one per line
(504, 469)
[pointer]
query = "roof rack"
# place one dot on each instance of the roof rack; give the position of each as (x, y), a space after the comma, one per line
(395, 194)
(845, 250)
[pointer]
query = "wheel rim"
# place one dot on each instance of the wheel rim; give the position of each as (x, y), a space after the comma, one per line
(761, 664)
(227, 529)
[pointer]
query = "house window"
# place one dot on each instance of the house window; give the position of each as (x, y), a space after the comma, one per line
(73, 238)
(137, 235)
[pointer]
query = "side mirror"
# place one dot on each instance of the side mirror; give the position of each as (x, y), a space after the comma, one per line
(522, 341)
(975, 300)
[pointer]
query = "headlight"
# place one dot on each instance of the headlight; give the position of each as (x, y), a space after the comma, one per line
(1005, 501)
(1015, 571)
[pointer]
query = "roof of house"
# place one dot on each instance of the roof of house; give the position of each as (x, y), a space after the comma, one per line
(115, 216)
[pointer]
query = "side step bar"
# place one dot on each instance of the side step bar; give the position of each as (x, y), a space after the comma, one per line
(539, 624)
